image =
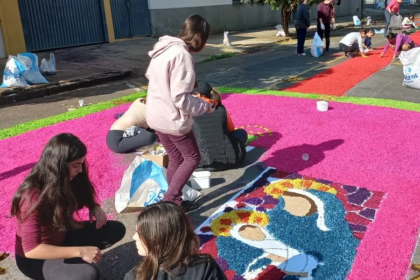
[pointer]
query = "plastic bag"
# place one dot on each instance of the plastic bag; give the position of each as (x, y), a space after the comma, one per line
(357, 21)
(226, 39)
(317, 46)
(13, 73)
(369, 20)
(280, 31)
(32, 76)
(48, 67)
(396, 22)
(411, 68)
(144, 183)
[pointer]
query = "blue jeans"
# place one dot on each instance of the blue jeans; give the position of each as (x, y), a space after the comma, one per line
(388, 22)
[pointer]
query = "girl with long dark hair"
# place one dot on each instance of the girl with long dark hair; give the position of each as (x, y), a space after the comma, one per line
(50, 243)
(169, 247)
(170, 105)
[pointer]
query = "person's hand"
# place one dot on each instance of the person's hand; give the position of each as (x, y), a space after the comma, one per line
(212, 108)
(393, 57)
(322, 26)
(382, 54)
(99, 215)
(91, 254)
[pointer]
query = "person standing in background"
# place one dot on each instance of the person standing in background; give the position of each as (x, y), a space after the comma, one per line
(302, 24)
(326, 17)
(392, 8)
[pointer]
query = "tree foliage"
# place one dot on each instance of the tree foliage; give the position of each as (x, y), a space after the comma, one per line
(279, 4)
(286, 7)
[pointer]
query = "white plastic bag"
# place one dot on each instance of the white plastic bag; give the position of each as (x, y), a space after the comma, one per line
(411, 67)
(369, 20)
(226, 39)
(357, 21)
(280, 31)
(396, 22)
(48, 67)
(13, 73)
(144, 183)
(317, 46)
(32, 76)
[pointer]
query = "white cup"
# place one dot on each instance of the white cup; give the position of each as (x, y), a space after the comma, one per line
(322, 106)
(81, 102)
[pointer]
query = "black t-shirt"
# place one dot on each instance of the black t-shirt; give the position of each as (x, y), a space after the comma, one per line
(199, 269)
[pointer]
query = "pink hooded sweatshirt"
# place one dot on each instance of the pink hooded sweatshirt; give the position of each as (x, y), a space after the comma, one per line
(170, 105)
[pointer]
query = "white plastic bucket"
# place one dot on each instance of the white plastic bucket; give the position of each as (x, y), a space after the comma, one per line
(322, 106)
(200, 180)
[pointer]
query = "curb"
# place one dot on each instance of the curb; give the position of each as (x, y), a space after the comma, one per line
(21, 94)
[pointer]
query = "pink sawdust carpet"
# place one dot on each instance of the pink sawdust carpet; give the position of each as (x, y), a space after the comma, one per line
(367, 146)
(20, 153)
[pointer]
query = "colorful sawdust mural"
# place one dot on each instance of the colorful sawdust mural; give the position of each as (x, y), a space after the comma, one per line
(287, 225)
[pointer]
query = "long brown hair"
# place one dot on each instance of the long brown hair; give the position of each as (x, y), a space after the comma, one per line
(170, 241)
(58, 196)
(195, 32)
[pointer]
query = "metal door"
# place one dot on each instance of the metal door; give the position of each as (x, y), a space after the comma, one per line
(131, 18)
(51, 24)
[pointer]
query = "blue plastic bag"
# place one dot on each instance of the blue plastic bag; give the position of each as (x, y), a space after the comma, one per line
(13, 73)
(32, 76)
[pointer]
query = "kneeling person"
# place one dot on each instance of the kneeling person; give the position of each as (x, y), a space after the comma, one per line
(221, 146)
(352, 43)
(131, 131)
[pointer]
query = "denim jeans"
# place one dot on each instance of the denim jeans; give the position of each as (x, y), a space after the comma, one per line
(388, 22)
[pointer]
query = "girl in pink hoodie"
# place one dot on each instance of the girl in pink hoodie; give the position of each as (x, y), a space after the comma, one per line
(170, 105)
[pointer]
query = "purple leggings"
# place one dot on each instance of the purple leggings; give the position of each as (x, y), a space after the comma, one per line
(184, 157)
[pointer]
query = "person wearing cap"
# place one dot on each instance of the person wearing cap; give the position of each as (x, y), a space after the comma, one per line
(131, 131)
(221, 146)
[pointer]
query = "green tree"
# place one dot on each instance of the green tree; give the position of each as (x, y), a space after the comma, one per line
(286, 6)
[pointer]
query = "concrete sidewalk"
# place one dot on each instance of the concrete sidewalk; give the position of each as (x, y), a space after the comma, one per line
(95, 64)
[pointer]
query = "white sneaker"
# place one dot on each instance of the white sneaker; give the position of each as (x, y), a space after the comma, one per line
(301, 54)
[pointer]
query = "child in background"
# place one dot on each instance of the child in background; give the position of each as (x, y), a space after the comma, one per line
(408, 22)
(169, 247)
(367, 44)
(170, 105)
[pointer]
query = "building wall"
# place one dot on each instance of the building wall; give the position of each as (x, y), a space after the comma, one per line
(165, 4)
(221, 17)
(11, 25)
(167, 16)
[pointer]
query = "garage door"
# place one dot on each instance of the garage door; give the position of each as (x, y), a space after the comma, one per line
(51, 24)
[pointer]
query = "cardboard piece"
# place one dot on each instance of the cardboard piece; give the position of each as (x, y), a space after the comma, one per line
(162, 160)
